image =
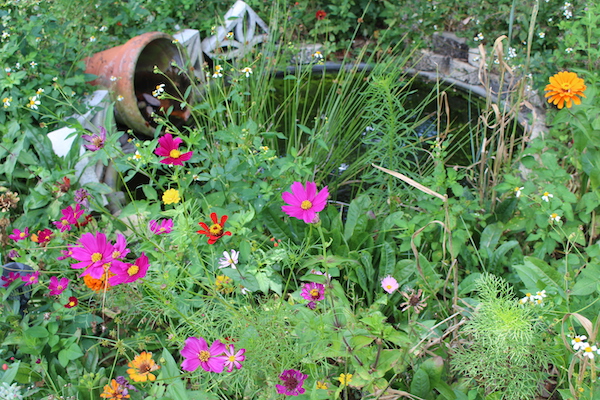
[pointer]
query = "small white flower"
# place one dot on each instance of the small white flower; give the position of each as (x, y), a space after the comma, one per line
(479, 37)
(542, 35)
(554, 217)
(229, 259)
(528, 298)
(39, 91)
(160, 89)
(547, 196)
(103, 28)
(247, 71)
(540, 295)
(229, 35)
(579, 342)
(33, 64)
(120, 98)
(317, 55)
(8, 70)
(588, 351)
(6, 101)
(569, 50)
(92, 38)
(5, 35)
(218, 72)
(246, 290)
(137, 156)
(512, 52)
(518, 191)
(113, 78)
(33, 103)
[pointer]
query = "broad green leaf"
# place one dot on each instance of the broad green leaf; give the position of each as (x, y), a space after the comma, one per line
(420, 386)
(535, 271)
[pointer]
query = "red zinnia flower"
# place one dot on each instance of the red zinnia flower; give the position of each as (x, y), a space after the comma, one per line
(168, 147)
(72, 302)
(216, 230)
(320, 15)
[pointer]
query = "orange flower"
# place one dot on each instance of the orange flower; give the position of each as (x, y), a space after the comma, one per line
(114, 391)
(141, 367)
(564, 88)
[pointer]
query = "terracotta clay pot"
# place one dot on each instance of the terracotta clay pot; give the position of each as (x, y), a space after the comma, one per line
(131, 67)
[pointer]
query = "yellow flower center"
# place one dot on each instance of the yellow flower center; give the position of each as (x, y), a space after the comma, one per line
(97, 141)
(65, 222)
(231, 358)
(577, 340)
(306, 205)
(314, 292)
(388, 287)
(203, 355)
(72, 303)
(174, 153)
(96, 257)
(215, 229)
(22, 234)
(134, 269)
(116, 254)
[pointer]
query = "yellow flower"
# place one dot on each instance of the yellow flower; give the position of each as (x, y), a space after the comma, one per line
(171, 196)
(114, 391)
(564, 88)
(141, 367)
(321, 385)
(345, 379)
(224, 284)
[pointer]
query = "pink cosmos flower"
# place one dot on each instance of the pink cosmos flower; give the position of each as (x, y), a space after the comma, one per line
(18, 235)
(234, 359)
(96, 141)
(94, 253)
(158, 228)
(12, 276)
(31, 279)
(56, 286)
(197, 354)
(70, 217)
(168, 147)
(292, 382)
(305, 202)
(389, 284)
(65, 254)
(313, 291)
(127, 273)
(120, 248)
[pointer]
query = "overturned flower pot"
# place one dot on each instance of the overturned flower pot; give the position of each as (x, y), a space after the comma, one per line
(128, 71)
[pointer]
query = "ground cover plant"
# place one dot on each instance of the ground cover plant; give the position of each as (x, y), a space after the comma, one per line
(305, 240)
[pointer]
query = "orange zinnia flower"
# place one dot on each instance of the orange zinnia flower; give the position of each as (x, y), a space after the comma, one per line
(564, 88)
(141, 367)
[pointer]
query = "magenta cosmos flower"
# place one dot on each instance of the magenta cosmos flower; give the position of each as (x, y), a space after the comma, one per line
(70, 216)
(31, 279)
(158, 228)
(95, 141)
(57, 286)
(94, 253)
(19, 235)
(198, 354)
(234, 359)
(305, 202)
(169, 148)
(127, 273)
(389, 284)
(292, 382)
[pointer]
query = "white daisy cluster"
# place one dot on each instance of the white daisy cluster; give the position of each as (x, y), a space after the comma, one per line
(580, 344)
(537, 299)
